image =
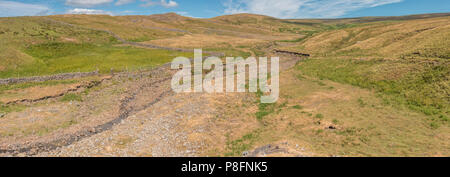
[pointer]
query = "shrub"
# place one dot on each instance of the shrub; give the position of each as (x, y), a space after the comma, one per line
(297, 107)
(319, 116)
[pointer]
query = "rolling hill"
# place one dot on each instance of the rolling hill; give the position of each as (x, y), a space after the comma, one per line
(371, 86)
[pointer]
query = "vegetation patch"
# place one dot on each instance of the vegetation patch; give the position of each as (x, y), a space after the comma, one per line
(237, 147)
(33, 84)
(297, 107)
(265, 109)
(54, 58)
(424, 90)
(72, 97)
(11, 108)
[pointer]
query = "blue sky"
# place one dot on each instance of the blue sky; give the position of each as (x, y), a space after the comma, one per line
(212, 8)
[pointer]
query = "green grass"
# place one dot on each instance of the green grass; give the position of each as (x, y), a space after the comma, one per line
(335, 121)
(361, 102)
(54, 58)
(21, 32)
(142, 39)
(319, 116)
(264, 109)
(24, 30)
(72, 97)
(307, 34)
(237, 147)
(421, 87)
(315, 29)
(258, 52)
(340, 26)
(11, 108)
(119, 25)
(297, 107)
(33, 84)
(229, 51)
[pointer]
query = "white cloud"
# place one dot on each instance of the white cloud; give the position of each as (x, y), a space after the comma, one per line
(122, 2)
(301, 8)
(10, 9)
(87, 3)
(127, 12)
(182, 13)
(186, 14)
(164, 3)
(169, 3)
(88, 11)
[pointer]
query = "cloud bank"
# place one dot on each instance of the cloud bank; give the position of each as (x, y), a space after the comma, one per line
(89, 11)
(10, 9)
(123, 2)
(146, 3)
(301, 8)
(87, 3)
(164, 3)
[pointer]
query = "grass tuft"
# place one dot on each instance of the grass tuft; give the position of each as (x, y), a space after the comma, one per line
(71, 97)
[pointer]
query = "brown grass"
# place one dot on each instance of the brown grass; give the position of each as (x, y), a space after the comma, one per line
(204, 40)
(415, 38)
(362, 124)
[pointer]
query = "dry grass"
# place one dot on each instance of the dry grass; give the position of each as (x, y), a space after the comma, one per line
(313, 117)
(49, 89)
(423, 38)
(48, 119)
(361, 124)
(204, 40)
(37, 92)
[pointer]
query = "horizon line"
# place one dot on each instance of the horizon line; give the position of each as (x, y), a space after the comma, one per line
(356, 17)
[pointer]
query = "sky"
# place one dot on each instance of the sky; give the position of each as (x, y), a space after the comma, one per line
(285, 9)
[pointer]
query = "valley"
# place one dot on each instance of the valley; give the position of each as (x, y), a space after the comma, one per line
(371, 86)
